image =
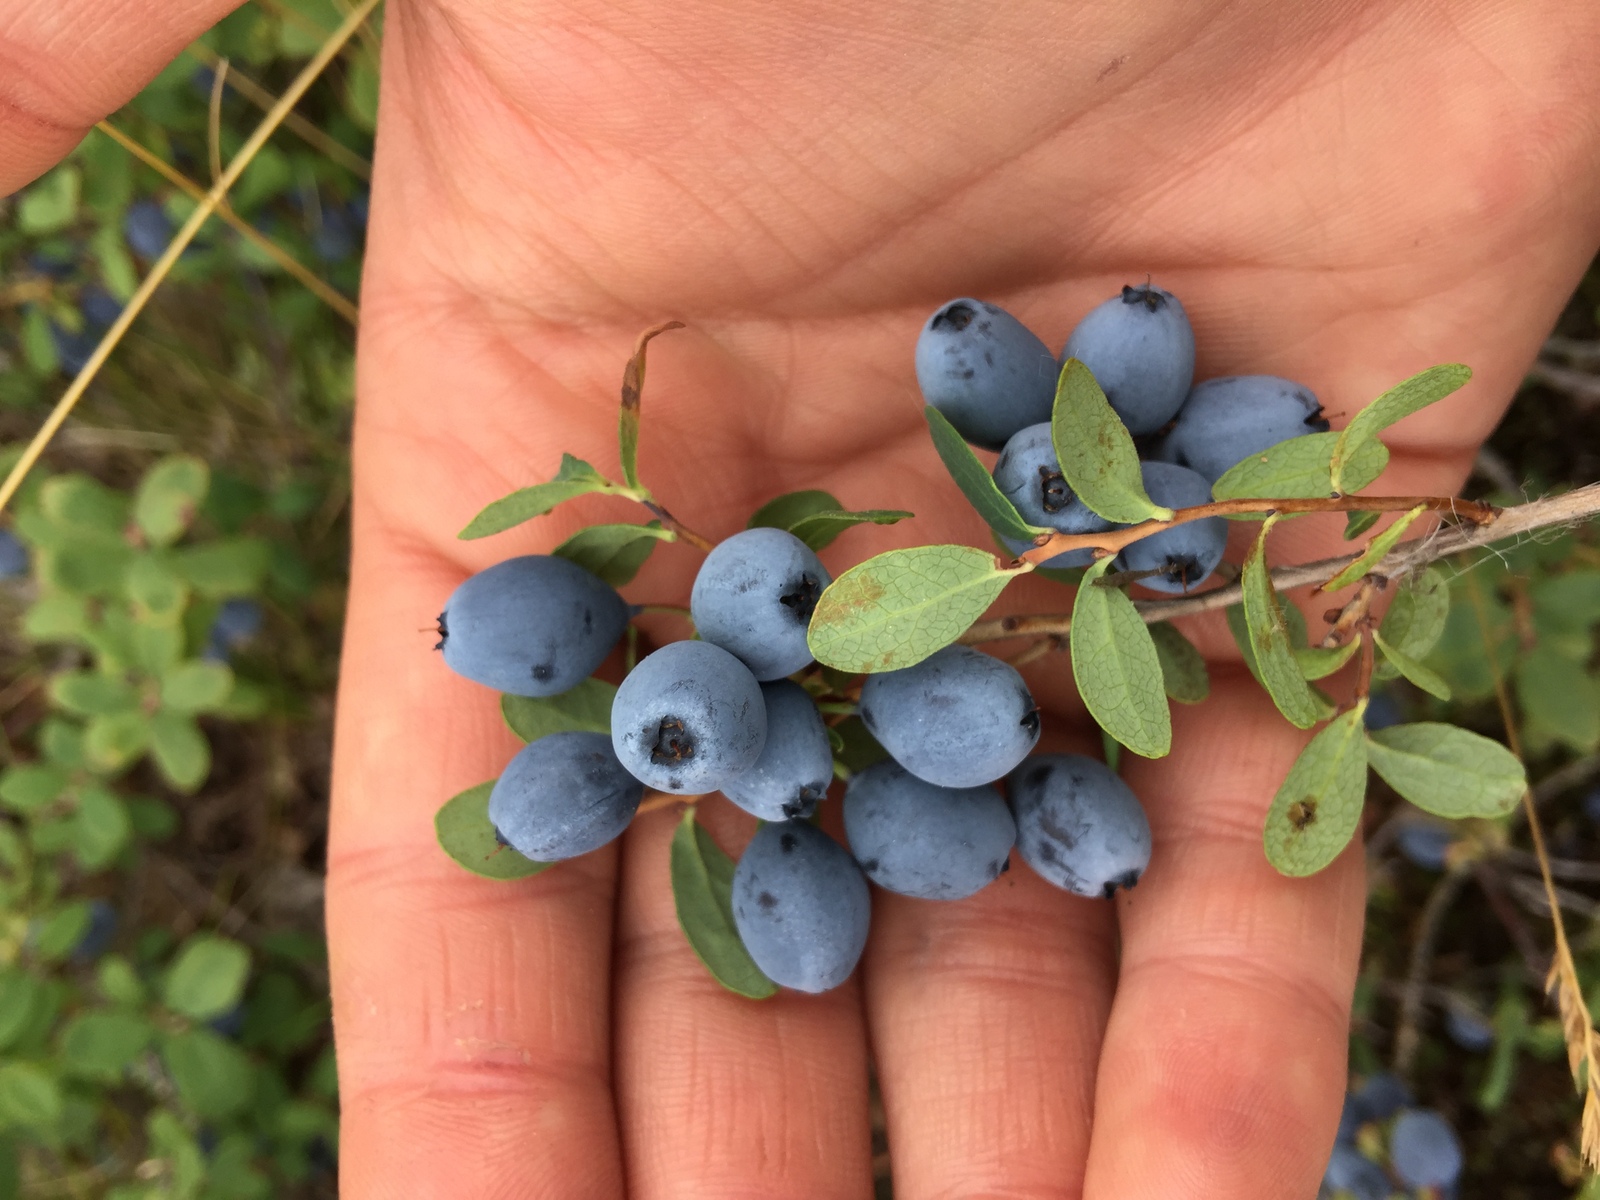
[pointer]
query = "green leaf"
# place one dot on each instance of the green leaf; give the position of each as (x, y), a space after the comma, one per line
(60, 618)
(20, 997)
(1316, 811)
(702, 890)
(29, 1097)
(88, 694)
(59, 933)
(226, 567)
(464, 832)
(1270, 641)
(856, 749)
(1357, 523)
(975, 482)
(1096, 451)
(1421, 390)
(820, 529)
(112, 742)
(207, 978)
(1299, 469)
(196, 686)
(61, 742)
(1418, 674)
(585, 708)
(1373, 554)
(1448, 771)
(50, 205)
(614, 552)
(157, 593)
(1558, 699)
(1317, 662)
(1568, 603)
(1416, 617)
(169, 495)
(27, 787)
(1117, 667)
(1183, 671)
(118, 982)
(214, 1078)
(180, 750)
(102, 1045)
(787, 510)
(897, 608)
(574, 478)
(84, 505)
(102, 827)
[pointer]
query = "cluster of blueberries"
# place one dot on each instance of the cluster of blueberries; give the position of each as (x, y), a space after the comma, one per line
(995, 381)
(1424, 1152)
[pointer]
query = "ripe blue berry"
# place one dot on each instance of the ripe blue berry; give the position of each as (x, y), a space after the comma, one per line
(754, 597)
(1184, 555)
(1030, 477)
(1424, 1150)
(1381, 1096)
(1224, 421)
(1425, 844)
(959, 718)
(1140, 349)
(985, 371)
(532, 626)
(146, 228)
(1353, 1173)
(801, 906)
(919, 839)
(563, 795)
(796, 764)
(13, 555)
(689, 719)
(1468, 1029)
(237, 623)
(1078, 825)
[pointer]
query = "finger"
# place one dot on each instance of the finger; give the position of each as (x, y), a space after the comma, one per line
(717, 1095)
(472, 1015)
(1224, 1058)
(64, 64)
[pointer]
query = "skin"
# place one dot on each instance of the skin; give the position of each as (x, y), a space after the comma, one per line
(1341, 193)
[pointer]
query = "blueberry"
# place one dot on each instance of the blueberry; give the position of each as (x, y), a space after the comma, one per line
(532, 626)
(1030, 477)
(1078, 825)
(1383, 710)
(334, 239)
(563, 795)
(1351, 1118)
(1424, 1150)
(689, 719)
(1140, 349)
(1183, 554)
(919, 839)
(1468, 1029)
(796, 764)
(229, 1024)
(754, 597)
(102, 931)
(1425, 843)
(13, 555)
(959, 718)
(985, 371)
(99, 307)
(236, 623)
(73, 350)
(1381, 1096)
(1224, 421)
(1354, 1174)
(146, 228)
(801, 906)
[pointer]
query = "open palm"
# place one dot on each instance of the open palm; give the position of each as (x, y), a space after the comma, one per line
(1342, 193)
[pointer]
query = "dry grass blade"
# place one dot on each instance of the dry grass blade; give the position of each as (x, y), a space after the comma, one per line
(292, 266)
(1577, 1025)
(179, 243)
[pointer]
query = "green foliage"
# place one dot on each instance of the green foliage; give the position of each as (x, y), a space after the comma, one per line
(1270, 643)
(463, 829)
(1448, 771)
(1316, 810)
(573, 478)
(585, 708)
(1096, 451)
(1373, 554)
(614, 552)
(1300, 469)
(702, 891)
(974, 480)
(1409, 396)
(816, 518)
(1416, 617)
(1183, 671)
(1117, 668)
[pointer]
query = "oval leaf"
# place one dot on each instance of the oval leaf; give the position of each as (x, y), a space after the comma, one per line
(1299, 469)
(584, 709)
(1416, 617)
(975, 482)
(1316, 811)
(702, 891)
(1373, 554)
(1117, 668)
(785, 511)
(168, 497)
(196, 686)
(819, 529)
(1183, 670)
(1428, 680)
(214, 1077)
(1357, 523)
(1448, 771)
(208, 977)
(1425, 388)
(894, 610)
(181, 751)
(1317, 662)
(464, 832)
(574, 478)
(1096, 451)
(1270, 643)
(614, 552)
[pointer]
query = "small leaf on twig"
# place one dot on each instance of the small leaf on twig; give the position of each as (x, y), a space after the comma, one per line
(1316, 811)
(585, 708)
(1425, 678)
(1421, 390)
(1448, 771)
(632, 394)
(466, 835)
(702, 892)
(1299, 469)
(614, 552)
(574, 478)
(1270, 642)
(1357, 523)
(1096, 452)
(1183, 671)
(1373, 554)
(1318, 663)
(1416, 617)
(1117, 668)
(975, 482)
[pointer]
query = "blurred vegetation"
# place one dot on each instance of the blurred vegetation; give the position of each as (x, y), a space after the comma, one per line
(171, 589)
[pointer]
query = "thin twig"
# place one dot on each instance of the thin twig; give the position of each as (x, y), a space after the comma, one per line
(678, 527)
(1408, 1037)
(177, 246)
(1578, 386)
